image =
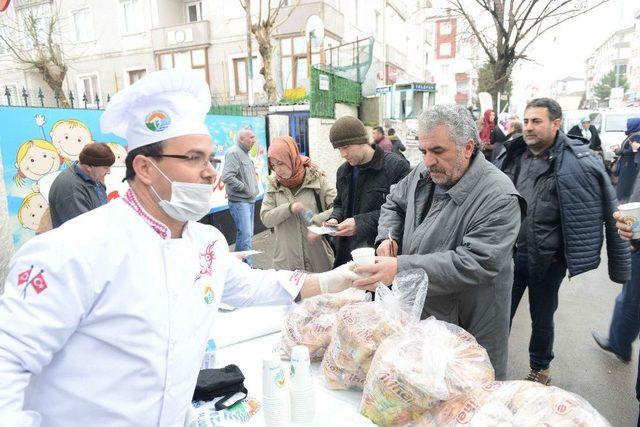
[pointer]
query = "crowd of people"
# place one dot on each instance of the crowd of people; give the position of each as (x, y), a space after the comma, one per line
(491, 212)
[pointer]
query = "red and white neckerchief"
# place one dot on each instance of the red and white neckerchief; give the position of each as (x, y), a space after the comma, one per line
(161, 229)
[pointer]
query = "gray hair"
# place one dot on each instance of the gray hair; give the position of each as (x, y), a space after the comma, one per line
(458, 120)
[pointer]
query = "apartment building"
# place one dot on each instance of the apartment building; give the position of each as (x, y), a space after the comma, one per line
(109, 44)
(613, 53)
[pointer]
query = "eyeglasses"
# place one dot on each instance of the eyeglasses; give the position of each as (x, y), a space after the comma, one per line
(196, 160)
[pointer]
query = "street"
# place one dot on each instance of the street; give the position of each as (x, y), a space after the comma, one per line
(580, 366)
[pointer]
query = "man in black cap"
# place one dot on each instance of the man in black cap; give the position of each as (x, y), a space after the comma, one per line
(80, 188)
(363, 183)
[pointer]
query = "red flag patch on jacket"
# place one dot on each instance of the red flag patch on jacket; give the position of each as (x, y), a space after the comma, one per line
(38, 282)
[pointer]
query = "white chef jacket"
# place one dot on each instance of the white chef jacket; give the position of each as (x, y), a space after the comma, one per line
(104, 320)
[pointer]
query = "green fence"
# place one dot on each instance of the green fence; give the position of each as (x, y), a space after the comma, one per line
(322, 102)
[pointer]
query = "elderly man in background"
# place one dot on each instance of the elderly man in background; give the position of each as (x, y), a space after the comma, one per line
(80, 188)
(241, 185)
(457, 217)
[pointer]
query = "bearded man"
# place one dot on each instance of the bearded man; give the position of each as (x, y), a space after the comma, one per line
(457, 217)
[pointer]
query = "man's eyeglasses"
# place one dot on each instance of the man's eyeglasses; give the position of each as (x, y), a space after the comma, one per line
(196, 160)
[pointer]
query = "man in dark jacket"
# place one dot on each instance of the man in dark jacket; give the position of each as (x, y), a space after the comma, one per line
(587, 131)
(80, 188)
(569, 199)
(363, 182)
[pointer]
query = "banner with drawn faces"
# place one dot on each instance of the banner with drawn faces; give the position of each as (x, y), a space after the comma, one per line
(39, 143)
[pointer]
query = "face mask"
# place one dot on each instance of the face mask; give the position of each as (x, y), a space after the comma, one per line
(189, 202)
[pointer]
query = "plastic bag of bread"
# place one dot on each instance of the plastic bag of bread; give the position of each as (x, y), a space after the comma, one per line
(360, 328)
(310, 323)
(417, 369)
(515, 403)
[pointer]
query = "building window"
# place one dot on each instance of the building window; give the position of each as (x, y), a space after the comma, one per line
(194, 11)
(82, 25)
(36, 21)
(241, 75)
(444, 50)
(445, 28)
(88, 85)
(130, 16)
(293, 63)
(135, 75)
(186, 60)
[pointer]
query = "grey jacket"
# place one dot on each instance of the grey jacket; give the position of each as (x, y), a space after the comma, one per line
(465, 246)
(73, 193)
(239, 176)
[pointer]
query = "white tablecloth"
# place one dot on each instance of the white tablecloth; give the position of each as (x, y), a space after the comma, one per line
(256, 332)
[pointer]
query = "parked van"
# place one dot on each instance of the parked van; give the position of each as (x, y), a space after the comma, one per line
(611, 124)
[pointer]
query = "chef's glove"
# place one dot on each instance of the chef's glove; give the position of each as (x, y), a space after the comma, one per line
(338, 279)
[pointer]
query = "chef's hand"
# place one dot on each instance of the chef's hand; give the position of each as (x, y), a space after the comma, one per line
(387, 248)
(338, 279)
(384, 271)
(298, 208)
(346, 228)
(624, 229)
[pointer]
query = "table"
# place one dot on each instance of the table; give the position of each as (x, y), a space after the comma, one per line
(256, 335)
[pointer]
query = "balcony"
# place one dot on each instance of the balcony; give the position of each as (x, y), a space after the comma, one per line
(461, 98)
(178, 37)
(332, 18)
(394, 56)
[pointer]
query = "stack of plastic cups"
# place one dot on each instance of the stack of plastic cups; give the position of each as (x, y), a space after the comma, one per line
(303, 404)
(275, 393)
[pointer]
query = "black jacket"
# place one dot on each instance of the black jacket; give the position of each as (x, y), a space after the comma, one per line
(374, 182)
(594, 142)
(587, 202)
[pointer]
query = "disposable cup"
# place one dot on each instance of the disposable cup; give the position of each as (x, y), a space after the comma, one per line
(274, 381)
(300, 375)
(364, 256)
(631, 215)
(303, 406)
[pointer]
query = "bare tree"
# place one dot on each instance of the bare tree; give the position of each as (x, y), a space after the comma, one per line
(30, 38)
(263, 30)
(514, 26)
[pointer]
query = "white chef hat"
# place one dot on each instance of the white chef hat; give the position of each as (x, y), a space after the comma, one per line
(163, 104)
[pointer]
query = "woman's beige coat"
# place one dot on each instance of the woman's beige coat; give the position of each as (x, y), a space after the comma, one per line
(292, 249)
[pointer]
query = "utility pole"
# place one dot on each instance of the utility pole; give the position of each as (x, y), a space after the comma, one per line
(249, 60)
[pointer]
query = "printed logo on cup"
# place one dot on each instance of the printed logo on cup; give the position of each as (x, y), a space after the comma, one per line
(279, 378)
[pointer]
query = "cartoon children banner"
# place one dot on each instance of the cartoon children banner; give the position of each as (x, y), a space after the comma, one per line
(38, 143)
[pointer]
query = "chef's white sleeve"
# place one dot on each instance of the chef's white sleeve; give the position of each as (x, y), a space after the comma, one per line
(246, 286)
(46, 295)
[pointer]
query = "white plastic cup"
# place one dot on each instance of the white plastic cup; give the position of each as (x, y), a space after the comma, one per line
(631, 215)
(274, 380)
(364, 256)
(303, 406)
(300, 374)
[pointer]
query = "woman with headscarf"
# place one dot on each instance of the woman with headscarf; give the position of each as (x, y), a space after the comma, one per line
(298, 195)
(490, 133)
(589, 132)
(628, 160)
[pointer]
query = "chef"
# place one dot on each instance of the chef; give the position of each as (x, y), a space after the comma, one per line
(104, 320)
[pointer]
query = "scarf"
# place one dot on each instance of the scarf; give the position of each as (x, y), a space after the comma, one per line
(586, 133)
(284, 149)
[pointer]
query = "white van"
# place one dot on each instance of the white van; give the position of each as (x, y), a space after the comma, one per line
(611, 124)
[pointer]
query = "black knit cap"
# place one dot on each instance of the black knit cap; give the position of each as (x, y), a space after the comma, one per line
(348, 130)
(97, 154)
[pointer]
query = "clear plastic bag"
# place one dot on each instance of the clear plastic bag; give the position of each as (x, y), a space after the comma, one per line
(419, 368)
(360, 328)
(517, 403)
(310, 323)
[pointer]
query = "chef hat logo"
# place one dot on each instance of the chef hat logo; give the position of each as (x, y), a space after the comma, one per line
(157, 121)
